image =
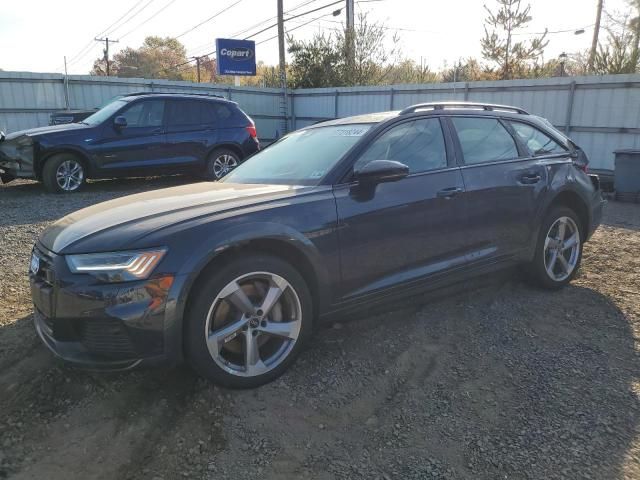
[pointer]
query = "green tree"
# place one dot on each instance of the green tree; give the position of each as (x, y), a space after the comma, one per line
(513, 58)
(157, 58)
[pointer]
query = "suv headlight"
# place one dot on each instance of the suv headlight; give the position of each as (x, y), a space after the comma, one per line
(117, 266)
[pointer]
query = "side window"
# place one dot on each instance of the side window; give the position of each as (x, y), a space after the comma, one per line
(222, 112)
(146, 113)
(537, 142)
(418, 144)
(189, 112)
(484, 140)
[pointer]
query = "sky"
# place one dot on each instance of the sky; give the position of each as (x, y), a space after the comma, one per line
(36, 34)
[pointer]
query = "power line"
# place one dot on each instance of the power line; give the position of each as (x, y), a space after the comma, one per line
(148, 19)
(88, 47)
(210, 18)
(295, 16)
(107, 30)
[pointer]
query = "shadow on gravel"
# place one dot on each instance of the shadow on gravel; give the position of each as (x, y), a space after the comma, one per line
(32, 204)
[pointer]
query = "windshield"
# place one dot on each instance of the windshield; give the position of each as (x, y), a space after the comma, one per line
(303, 157)
(105, 112)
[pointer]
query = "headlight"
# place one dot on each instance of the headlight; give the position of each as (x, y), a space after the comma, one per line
(117, 266)
(24, 142)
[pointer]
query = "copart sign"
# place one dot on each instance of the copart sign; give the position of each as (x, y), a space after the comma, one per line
(235, 57)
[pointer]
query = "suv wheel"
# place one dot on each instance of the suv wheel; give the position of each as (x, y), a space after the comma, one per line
(559, 249)
(220, 162)
(63, 173)
(248, 321)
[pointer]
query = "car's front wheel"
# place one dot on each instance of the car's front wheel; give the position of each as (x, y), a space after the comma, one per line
(558, 250)
(220, 162)
(247, 321)
(63, 173)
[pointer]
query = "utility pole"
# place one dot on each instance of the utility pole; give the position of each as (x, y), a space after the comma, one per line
(283, 73)
(106, 49)
(350, 32)
(197, 59)
(594, 42)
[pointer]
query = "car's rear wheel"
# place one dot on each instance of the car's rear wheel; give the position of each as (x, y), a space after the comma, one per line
(63, 173)
(220, 162)
(558, 250)
(248, 321)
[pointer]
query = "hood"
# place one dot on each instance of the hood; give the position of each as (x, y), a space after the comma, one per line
(34, 132)
(120, 222)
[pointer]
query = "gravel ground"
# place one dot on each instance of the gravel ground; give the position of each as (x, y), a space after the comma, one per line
(503, 381)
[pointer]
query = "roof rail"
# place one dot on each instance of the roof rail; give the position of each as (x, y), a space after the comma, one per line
(462, 105)
(133, 94)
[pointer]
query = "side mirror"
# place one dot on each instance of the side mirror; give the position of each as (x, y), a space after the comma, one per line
(378, 171)
(120, 122)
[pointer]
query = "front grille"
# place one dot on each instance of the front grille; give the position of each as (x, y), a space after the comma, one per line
(106, 337)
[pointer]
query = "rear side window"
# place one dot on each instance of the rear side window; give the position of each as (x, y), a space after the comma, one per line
(537, 142)
(190, 112)
(222, 112)
(418, 144)
(484, 140)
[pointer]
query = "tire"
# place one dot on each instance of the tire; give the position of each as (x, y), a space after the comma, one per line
(63, 173)
(220, 162)
(547, 269)
(216, 313)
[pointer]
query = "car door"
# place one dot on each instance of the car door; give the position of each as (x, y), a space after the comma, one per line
(137, 146)
(191, 131)
(503, 184)
(408, 230)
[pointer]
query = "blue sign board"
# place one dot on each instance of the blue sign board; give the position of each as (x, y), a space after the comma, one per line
(235, 57)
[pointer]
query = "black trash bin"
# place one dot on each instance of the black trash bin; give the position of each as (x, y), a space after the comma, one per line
(627, 175)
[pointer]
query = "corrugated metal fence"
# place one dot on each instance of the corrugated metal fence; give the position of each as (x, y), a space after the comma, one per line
(602, 114)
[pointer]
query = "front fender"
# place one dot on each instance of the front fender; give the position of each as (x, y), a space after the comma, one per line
(237, 236)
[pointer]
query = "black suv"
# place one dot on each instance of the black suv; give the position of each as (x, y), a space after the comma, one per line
(136, 135)
(336, 217)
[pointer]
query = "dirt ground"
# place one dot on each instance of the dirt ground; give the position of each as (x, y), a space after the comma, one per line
(499, 382)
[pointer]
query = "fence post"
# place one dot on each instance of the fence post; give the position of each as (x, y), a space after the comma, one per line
(567, 120)
(391, 100)
(466, 91)
(228, 93)
(335, 104)
(293, 111)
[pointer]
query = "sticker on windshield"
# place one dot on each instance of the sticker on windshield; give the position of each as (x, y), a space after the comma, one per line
(350, 132)
(316, 174)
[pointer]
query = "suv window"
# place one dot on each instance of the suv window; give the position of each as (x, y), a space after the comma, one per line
(145, 113)
(190, 112)
(537, 142)
(484, 140)
(222, 112)
(419, 144)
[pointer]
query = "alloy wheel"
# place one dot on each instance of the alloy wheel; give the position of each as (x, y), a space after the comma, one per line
(253, 324)
(223, 164)
(69, 175)
(561, 249)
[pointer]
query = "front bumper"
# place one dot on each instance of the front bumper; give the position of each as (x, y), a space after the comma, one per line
(95, 325)
(16, 161)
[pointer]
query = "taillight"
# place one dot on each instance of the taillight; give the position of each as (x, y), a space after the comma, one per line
(252, 131)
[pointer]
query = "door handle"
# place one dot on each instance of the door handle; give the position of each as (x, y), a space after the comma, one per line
(529, 178)
(449, 192)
